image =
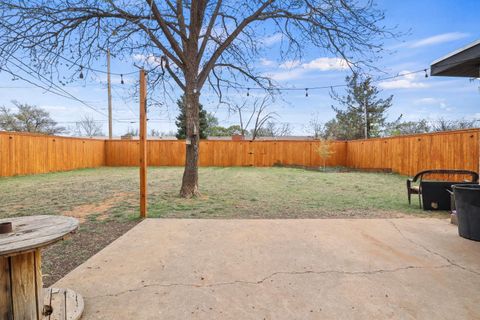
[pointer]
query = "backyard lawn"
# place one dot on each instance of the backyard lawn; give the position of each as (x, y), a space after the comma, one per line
(112, 194)
(106, 200)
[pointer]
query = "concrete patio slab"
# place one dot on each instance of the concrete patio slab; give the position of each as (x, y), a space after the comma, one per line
(283, 269)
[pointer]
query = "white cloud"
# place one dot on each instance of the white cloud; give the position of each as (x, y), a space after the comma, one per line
(437, 39)
(266, 62)
(326, 64)
(445, 107)
(401, 84)
(429, 101)
(150, 59)
(139, 57)
(408, 81)
(441, 103)
(289, 64)
(295, 69)
(286, 75)
(273, 39)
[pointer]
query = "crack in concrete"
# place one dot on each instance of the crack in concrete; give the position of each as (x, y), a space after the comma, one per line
(274, 274)
(450, 261)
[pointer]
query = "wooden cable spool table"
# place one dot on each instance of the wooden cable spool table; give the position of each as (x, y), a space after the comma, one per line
(21, 288)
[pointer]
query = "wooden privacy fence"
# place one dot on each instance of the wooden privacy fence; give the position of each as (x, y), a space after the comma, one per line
(410, 154)
(29, 154)
(226, 153)
(22, 154)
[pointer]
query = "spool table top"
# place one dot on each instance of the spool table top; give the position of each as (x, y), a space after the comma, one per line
(32, 232)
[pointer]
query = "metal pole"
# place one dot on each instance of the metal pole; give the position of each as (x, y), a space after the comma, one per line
(109, 85)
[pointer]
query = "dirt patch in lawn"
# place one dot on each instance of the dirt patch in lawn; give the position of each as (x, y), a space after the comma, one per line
(92, 236)
(100, 210)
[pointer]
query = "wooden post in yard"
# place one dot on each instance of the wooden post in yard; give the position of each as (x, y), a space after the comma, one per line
(109, 87)
(143, 145)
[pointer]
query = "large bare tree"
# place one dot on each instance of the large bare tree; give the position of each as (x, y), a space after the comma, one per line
(88, 127)
(194, 43)
(259, 115)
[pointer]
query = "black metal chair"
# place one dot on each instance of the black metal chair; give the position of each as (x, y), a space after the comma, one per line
(418, 178)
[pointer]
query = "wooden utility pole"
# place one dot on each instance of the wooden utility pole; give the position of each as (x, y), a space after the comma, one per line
(109, 85)
(366, 114)
(143, 145)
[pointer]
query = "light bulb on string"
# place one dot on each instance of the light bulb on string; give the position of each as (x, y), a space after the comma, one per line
(306, 92)
(426, 74)
(81, 73)
(248, 92)
(121, 79)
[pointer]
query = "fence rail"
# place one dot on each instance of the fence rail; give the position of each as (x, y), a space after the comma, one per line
(22, 154)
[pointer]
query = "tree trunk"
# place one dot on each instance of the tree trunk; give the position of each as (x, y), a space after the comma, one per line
(190, 174)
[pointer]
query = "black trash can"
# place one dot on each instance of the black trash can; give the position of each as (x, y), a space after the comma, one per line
(467, 202)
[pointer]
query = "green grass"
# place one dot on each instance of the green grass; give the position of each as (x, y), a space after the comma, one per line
(112, 193)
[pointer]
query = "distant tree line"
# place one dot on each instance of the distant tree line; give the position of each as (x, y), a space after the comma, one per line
(28, 118)
(352, 123)
(255, 119)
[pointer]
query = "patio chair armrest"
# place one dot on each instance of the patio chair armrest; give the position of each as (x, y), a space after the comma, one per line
(409, 183)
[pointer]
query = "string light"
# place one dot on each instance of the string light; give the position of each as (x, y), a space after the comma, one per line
(121, 79)
(81, 72)
(331, 87)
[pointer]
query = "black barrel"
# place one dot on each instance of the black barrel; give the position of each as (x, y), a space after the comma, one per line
(467, 201)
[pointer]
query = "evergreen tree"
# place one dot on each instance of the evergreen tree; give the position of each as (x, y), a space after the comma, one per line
(181, 120)
(349, 122)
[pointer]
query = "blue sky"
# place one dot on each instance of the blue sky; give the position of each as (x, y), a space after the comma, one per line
(433, 29)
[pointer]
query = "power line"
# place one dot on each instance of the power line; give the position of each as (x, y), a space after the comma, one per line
(69, 60)
(126, 104)
(48, 88)
(70, 96)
